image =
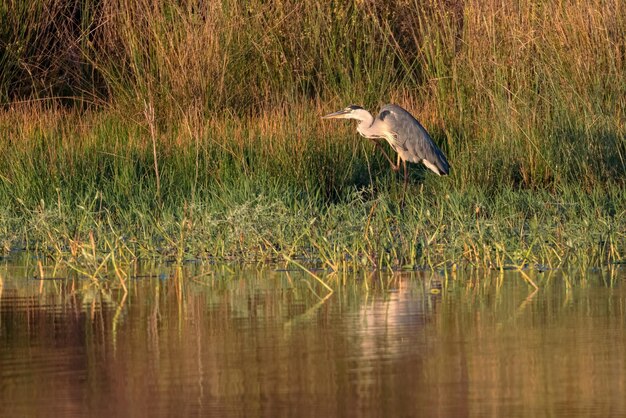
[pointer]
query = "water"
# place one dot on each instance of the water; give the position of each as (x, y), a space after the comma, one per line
(204, 340)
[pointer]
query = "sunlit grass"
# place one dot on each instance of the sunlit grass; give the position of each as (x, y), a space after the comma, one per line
(192, 130)
(281, 185)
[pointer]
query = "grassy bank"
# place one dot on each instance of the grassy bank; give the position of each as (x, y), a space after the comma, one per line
(193, 130)
(273, 188)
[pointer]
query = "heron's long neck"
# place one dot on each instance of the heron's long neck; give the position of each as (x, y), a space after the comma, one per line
(368, 126)
(366, 122)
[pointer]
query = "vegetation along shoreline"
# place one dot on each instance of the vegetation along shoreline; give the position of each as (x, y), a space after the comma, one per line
(188, 130)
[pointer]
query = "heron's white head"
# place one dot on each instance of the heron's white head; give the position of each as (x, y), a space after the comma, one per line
(350, 112)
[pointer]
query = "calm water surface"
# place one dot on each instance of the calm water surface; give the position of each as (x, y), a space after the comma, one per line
(205, 340)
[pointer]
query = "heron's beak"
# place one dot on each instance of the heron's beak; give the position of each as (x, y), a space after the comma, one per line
(340, 114)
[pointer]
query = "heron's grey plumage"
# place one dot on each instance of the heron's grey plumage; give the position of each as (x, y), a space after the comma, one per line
(410, 140)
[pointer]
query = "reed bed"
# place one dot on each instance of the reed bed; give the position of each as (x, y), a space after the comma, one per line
(191, 130)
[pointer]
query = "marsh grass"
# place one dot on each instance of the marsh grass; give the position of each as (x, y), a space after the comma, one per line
(186, 129)
(245, 193)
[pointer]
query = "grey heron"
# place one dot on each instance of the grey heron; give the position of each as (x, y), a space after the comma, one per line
(402, 131)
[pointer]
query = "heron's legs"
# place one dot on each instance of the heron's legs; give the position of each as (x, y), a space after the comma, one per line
(394, 167)
(406, 177)
(406, 181)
